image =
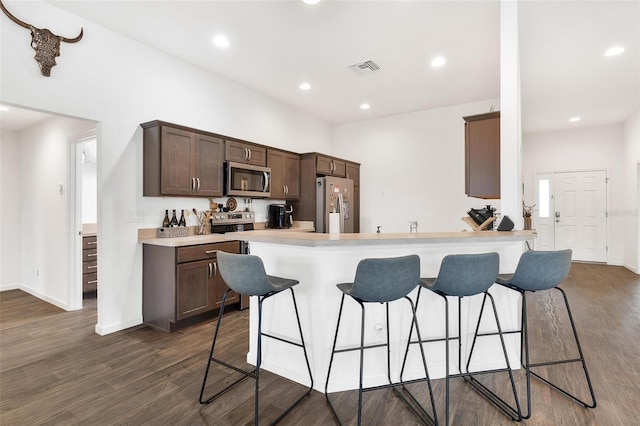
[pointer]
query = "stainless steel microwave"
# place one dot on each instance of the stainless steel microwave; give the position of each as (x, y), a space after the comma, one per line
(246, 180)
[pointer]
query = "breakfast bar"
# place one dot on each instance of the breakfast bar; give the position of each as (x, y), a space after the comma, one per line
(320, 261)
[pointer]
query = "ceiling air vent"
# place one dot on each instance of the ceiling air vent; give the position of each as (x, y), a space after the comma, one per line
(365, 67)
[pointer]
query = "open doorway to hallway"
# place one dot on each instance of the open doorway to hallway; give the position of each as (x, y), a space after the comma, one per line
(41, 170)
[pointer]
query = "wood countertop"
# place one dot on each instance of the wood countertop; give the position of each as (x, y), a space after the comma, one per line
(337, 240)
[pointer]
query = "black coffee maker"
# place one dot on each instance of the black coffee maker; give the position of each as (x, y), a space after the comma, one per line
(280, 216)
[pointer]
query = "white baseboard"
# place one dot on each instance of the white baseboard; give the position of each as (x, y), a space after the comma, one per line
(112, 328)
(59, 303)
(5, 287)
(631, 268)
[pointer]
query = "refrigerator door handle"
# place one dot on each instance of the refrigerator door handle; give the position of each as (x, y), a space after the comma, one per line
(341, 207)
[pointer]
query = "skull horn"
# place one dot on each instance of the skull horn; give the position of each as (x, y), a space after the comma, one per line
(25, 25)
(75, 39)
(13, 18)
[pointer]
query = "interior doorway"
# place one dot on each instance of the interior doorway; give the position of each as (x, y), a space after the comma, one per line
(572, 213)
(86, 216)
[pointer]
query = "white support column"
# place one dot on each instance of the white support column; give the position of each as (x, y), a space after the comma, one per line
(510, 130)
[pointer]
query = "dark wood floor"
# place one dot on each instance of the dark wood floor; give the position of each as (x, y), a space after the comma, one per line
(55, 370)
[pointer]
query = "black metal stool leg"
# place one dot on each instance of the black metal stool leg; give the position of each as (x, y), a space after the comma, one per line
(333, 352)
(593, 402)
(514, 413)
(245, 374)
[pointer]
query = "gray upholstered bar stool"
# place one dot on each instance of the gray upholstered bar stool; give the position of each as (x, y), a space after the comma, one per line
(381, 281)
(245, 274)
(542, 271)
(465, 275)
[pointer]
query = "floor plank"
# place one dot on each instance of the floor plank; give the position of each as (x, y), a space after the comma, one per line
(54, 369)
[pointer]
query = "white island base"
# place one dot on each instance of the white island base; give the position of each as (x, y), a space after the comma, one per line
(320, 261)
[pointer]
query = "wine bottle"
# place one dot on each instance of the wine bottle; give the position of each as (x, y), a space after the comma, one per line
(166, 222)
(182, 221)
(174, 219)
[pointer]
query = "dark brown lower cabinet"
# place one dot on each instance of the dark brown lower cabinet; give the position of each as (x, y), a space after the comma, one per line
(182, 282)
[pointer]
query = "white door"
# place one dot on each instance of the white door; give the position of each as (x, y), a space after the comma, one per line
(580, 214)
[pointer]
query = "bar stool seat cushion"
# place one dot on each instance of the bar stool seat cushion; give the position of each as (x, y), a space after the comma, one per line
(464, 274)
(384, 280)
(248, 275)
(539, 270)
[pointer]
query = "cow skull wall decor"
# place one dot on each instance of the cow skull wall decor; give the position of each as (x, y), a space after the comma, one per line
(44, 42)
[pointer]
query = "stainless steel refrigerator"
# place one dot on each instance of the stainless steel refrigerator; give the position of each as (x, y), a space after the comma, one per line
(334, 195)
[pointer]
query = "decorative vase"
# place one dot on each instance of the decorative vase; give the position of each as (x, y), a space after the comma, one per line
(527, 223)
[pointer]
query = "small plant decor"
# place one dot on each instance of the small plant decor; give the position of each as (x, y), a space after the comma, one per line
(527, 211)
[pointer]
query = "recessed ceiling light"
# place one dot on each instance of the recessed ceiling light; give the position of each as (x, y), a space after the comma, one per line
(616, 50)
(574, 119)
(438, 61)
(311, 1)
(221, 41)
(365, 106)
(305, 86)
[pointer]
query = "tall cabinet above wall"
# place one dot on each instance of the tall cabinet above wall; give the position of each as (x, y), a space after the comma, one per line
(181, 161)
(313, 165)
(482, 155)
(285, 174)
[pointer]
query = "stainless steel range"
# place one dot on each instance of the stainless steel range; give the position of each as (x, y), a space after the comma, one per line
(232, 222)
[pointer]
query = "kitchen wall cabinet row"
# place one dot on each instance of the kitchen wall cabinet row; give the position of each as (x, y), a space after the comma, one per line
(314, 165)
(482, 155)
(181, 161)
(180, 284)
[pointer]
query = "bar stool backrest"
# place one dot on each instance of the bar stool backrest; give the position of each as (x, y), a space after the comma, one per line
(541, 270)
(244, 273)
(387, 279)
(467, 274)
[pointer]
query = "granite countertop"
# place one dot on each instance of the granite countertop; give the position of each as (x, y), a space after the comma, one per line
(337, 240)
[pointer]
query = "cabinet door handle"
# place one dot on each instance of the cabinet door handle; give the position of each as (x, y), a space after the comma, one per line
(92, 282)
(210, 271)
(193, 184)
(246, 154)
(92, 255)
(92, 267)
(210, 251)
(249, 149)
(215, 269)
(90, 243)
(198, 180)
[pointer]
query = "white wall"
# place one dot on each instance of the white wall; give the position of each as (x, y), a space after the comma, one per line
(9, 211)
(584, 148)
(120, 83)
(412, 168)
(629, 217)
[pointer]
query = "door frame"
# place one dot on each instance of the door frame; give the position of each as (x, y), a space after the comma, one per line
(75, 216)
(552, 173)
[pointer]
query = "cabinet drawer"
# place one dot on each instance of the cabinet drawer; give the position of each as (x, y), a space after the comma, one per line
(206, 251)
(89, 242)
(89, 267)
(89, 282)
(89, 255)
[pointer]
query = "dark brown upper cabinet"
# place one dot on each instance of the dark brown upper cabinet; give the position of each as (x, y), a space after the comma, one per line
(240, 152)
(285, 174)
(179, 161)
(482, 155)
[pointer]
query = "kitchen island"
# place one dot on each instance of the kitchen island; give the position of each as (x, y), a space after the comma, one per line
(320, 261)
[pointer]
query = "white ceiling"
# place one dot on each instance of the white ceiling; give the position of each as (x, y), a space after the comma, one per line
(276, 45)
